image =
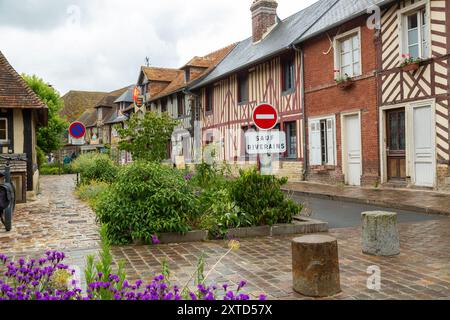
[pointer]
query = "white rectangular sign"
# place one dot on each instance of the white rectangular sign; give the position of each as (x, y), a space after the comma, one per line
(77, 142)
(265, 142)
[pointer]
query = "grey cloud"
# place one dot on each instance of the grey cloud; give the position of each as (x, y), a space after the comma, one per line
(38, 14)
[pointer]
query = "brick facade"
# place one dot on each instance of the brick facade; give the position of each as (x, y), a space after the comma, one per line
(324, 98)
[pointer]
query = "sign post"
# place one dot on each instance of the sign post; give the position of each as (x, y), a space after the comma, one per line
(265, 117)
(267, 142)
(77, 131)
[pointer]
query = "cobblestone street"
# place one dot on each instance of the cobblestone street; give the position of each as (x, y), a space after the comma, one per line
(60, 221)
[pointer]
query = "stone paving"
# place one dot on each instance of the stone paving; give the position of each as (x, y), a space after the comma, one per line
(59, 221)
(56, 221)
(404, 199)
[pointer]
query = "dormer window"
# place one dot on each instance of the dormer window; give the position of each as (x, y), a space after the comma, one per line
(164, 105)
(187, 75)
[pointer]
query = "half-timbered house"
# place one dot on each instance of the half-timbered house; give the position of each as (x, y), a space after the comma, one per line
(21, 113)
(265, 68)
(175, 100)
(414, 95)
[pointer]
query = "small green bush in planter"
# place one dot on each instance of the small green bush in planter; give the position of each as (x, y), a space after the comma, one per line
(147, 199)
(261, 197)
(221, 213)
(95, 167)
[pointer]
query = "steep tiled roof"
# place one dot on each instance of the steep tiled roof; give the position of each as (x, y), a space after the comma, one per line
(89, 118)
(77, 102)
(342, 11)
(127, 96)
(161, 74)
(14, 91)
(109, 100)
(319, 17)
(207, 62)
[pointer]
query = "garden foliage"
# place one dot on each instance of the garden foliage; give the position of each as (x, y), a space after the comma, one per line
(146, 199)
(95, 167)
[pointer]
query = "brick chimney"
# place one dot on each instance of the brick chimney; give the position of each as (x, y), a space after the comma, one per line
(264, 17)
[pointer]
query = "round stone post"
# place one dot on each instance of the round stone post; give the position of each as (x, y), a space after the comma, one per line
(315, 263)
(380, 235)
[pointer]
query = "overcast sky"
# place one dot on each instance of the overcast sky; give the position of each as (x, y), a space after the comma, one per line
(99, 45)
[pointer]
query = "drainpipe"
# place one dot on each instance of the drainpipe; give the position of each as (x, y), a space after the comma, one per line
(302, 99)
(195, 112)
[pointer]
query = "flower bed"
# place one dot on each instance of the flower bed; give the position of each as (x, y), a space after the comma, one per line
(50, 279)
(148, 199)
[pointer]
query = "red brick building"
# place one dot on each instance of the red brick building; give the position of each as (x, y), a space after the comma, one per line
(342, 138)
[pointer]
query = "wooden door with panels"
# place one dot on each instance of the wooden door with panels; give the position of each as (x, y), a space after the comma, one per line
(396, 144)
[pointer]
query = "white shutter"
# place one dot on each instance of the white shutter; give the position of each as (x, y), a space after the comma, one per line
(314, 143)
(330, 142)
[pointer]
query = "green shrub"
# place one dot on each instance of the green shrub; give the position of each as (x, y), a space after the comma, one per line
(221, 213)
(261, 197)
(53, 169)
(95, 167)
(91, 192)
(147, 199)
(210, 177)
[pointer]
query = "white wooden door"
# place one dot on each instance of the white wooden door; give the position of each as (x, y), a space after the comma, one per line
(353, 150)
(315, 152)
(424, 150)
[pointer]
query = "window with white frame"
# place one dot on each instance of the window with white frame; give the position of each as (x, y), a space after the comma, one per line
(322, 142)
(415, 34)
(348, 53)
(3, 129)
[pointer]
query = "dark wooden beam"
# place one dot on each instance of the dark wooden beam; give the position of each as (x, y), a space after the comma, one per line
(28, 145)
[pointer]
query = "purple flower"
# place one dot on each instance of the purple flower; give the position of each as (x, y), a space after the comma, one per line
(241, 285)
(155, 240)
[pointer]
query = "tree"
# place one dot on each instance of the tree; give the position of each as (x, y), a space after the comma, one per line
(147, 137)
(50, 137)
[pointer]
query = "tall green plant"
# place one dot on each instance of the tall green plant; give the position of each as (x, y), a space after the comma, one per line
(147, 137)
(102, 269)
(49, 137)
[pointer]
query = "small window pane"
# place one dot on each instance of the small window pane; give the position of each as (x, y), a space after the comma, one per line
(414, 51)
(356, 69)
(2, 124)
(347, 70)
(355, 42)
(412, 21)
(346, 59)
(356, 56)
(346, 45)
(413, 36)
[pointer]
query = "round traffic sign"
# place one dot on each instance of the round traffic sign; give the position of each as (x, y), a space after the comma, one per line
(265, 117)
(77, 130)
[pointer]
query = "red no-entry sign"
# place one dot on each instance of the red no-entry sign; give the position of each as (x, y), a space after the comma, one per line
(77, 130)
(265, 117)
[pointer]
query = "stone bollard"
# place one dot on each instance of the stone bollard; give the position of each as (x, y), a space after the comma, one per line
(380, 235)
(315, 266)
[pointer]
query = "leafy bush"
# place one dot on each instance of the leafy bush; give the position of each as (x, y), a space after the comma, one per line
(261, 197)
(147, 199)
(91, 192)
(221, 213)
(52, 169)
(95, 166)
(210, 177)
